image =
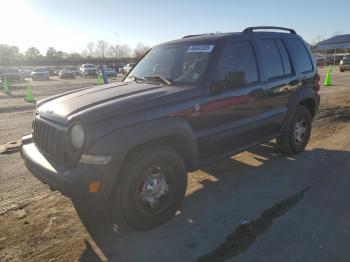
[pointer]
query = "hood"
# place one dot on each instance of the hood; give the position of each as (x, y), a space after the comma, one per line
(97, 102)
(40, 73)
(11, 74)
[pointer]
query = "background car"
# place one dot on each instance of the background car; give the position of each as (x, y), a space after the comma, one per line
(88, 70)
(109, 71)
(12, 74)
(66, 73)
(40, 73)
(344, 64)
(54, 71)
(27, 73)
(57, 71)
(75, 70)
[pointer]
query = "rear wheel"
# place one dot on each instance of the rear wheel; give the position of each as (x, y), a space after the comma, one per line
(151, 187)
(295, 138)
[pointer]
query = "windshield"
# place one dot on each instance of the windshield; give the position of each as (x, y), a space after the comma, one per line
(12, 71)
(180, 64)
(89, 66)
(346, 61)
(39, 70)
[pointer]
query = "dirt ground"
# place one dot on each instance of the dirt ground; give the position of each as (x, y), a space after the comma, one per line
(256, 206)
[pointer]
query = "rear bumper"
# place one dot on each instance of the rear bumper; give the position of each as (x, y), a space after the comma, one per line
(67, 76)
(71, 182)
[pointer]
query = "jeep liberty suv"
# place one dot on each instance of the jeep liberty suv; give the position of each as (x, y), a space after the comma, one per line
(185, 104)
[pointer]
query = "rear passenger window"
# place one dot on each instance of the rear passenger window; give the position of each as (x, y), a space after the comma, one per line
(238, 67)
(285, 57)
(272, 59)
(301, 55)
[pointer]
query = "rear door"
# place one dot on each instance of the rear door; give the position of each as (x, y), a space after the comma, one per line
(281, 79)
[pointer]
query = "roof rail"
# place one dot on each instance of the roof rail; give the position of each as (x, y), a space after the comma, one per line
(251, 29)
(188, 36)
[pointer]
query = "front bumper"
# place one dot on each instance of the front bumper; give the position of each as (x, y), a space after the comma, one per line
(345, 67)
(67, 76)
(90, 73)
(40, 76)
(71, 182)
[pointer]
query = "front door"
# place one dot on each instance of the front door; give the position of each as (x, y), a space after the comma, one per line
(233, 114)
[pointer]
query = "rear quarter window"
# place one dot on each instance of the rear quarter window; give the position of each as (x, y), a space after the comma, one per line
(301, 56)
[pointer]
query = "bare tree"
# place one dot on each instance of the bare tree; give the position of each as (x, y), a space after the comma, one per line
(119, 51)
(101, 48)
(125, 51)
(90, 49)
(317, 39)
(338, 32)
(140, 50)
(9, 53)
(32, 53)
(84, 54)
(51, 52)
(113, 50)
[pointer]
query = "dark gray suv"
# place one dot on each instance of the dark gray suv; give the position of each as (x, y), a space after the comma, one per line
(185, 104)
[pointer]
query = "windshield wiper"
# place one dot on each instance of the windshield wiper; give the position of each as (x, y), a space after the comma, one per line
(159, 78)
(136, 79)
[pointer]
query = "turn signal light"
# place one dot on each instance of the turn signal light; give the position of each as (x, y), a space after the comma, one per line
(94, 186)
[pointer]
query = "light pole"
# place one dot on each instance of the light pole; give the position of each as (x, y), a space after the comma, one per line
(117, 35)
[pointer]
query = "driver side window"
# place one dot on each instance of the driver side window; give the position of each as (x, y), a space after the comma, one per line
(237, 67)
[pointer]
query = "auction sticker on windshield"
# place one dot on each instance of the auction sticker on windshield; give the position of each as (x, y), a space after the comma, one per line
(200, 48)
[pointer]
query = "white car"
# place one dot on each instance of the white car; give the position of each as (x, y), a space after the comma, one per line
(40, 73)
(344, 64)
(88, 70)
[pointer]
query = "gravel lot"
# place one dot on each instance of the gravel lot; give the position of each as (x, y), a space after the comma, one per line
(256, 206)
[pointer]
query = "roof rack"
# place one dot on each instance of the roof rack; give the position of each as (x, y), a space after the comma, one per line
(251, 29)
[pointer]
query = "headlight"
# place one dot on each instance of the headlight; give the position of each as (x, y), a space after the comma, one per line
(77, 136)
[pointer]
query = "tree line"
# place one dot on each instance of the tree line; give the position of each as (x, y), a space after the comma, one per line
(101, 49)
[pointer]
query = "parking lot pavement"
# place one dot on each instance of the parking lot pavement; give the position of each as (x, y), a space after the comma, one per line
(256, 206)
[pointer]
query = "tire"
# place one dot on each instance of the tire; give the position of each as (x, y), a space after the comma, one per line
(295, 138)
(160, 167)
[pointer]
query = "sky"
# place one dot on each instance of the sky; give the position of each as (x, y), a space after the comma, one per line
(68, 25)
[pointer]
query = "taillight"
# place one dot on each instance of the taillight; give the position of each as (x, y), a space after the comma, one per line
(317, 82)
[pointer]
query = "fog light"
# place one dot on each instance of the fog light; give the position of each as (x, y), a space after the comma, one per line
(94, 186)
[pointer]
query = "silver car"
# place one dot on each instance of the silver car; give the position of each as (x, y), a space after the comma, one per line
(40, 73)
(344, 64)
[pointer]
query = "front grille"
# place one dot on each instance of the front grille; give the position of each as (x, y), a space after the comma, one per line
(49, 139)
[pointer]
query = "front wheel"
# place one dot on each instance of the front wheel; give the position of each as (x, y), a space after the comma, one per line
(151, 187)
(295, 138)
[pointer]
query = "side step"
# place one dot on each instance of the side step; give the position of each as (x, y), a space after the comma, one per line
(213, 159)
